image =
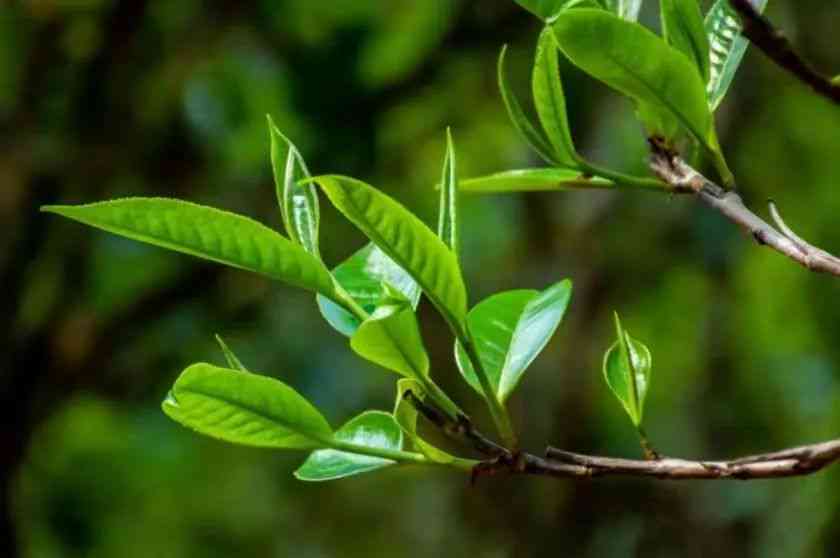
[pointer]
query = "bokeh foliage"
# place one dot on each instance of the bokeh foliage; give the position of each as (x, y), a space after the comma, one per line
(102, 98)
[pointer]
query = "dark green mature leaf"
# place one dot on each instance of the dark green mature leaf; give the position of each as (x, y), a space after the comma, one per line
(208, 233)
(625, 9)
(362, 276)
(245, 409)
(543, 9)
(727, 47)
(533, 180)
(298, 202)
(233, 361)
(373, 429)
(448, 216)
(391, 338)
(682, 26)
(636, 62)
(406, 240)
(527, 131)
(510, 330)
(550, 101)
(405, 413)
(627, 366)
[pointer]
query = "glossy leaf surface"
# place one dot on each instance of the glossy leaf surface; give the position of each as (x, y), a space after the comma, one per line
(362, 276)
(625, 9)
(639, 64)
(533, 180)
(550, 100)
(448, 207)
(208, 233)
(406, 240)
(510, 329)
(683, 28)
(245, 409)
(298, 202)
(373, 429)
(627, 367)
(727, 47)
(391, 338)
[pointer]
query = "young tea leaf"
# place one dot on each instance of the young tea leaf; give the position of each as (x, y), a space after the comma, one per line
(727, 47)
(682, 27)
(510, 330)
(448, 211)
(550, 101)
(406, 240)
(373, 429)
(298, 202)
(543, 9)
(207, 233)
(625, 9)
(362, 276)
(532, 136)
(233, 361)
(391, 338)
(245, 409)
(533, 180)
(627, 366)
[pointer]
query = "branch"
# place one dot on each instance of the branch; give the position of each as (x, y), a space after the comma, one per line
(775, 45)
(799, 461)
(682, 178)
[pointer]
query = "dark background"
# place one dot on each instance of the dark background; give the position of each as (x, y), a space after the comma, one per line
(102, 98)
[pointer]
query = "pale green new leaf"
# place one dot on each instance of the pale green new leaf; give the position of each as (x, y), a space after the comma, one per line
(543, 9)
(682, 27)
(510, 329)
(523, 125)
(550, 101)
(298, 202)
(625, 9)
(405, 413)
(448, 216)
(373, 429)
(390, 337)
(362, 276)
(233, 361)
(207, 233)
(627, 367)
(533, 180)
(245, 409)
(727, 47)
(406, 240)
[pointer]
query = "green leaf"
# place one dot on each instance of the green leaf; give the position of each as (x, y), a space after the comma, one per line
(232, 360)
(448, 212)
(391, 338)
(207, 233)
(405, 413)
(636, 62)
(406, 240)
(527, 131)
(627, 366)
(543, 9)
(362, 276)
(510, 330)
(298, 202)
(550, 101)
(625, 9)
(727, 47)
(372, 429)
(245, 409)
(682, 27)
(533, 180)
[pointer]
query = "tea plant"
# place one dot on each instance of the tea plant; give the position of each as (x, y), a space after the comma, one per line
(675, 81)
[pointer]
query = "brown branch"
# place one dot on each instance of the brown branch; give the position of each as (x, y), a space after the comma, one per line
(776, 46)
(683, 178)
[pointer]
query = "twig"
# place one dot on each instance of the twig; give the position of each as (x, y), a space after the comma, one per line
(683, 178)
(798, 461)
(776, 46)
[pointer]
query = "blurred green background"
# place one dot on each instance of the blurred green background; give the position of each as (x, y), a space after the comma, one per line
(105, 98)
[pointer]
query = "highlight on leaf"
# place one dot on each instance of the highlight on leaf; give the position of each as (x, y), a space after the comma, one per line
(534, 180)
(626, 368)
